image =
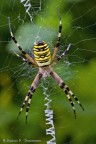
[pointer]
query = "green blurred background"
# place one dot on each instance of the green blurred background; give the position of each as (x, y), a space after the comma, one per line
(78, 70)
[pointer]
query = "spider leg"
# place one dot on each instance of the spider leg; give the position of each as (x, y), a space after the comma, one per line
(17, 44)
(30, 94)
(66, 89)
(23, 59)
(24, 102)
(76, 99)
(59, 36)
(62, 55)
(32, 90)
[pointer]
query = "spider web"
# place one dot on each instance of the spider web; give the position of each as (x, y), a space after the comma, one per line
(31, 21)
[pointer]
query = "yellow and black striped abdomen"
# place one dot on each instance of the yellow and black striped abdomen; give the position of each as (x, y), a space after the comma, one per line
(42, 54)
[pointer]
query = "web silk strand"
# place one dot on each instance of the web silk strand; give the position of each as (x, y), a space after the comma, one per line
(49, 117)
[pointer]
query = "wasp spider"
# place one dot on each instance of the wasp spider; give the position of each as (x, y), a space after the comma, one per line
(44, 61)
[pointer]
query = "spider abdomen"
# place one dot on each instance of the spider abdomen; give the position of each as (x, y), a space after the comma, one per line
(42, 54)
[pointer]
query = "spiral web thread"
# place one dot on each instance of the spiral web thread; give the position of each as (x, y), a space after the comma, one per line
(49, 115)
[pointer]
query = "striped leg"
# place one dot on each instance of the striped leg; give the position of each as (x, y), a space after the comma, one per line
(19, 47)
(59, 37)
(76, 99)
(62, 55)
(23, 59)
(25, 100)
(66, 89)
(30, 94)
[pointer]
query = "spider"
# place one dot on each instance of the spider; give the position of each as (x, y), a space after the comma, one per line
(44, 61)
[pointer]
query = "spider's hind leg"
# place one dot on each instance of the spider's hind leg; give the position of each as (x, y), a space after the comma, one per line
(25, 100)
(76, 99)
(66, 89)
(30, 94)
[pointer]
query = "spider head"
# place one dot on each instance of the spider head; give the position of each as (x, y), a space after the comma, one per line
(39, 43)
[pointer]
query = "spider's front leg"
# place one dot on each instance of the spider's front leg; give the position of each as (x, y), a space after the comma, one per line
(25, 60)
(30, 94)
(59, 37)
(19, 47)
(62, 55)
(66, 89)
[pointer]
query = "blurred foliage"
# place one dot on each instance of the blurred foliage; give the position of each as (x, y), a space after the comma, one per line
(79, 26)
